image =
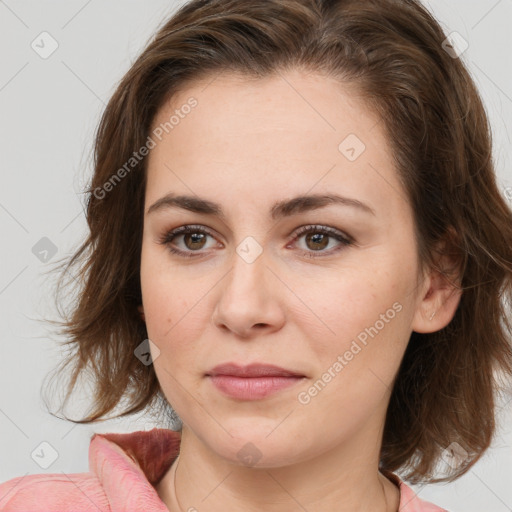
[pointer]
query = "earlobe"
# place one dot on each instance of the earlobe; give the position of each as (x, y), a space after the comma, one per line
(439, 303)
(141, 312)
(437, 310)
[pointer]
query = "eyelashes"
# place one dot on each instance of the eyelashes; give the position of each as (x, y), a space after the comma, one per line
(169, 237)
(316, 234)
(326, 232)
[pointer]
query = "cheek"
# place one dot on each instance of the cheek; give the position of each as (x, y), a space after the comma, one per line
(356, 365)
(367, 307)
(164, 294)
(172, 319)
(175, 323)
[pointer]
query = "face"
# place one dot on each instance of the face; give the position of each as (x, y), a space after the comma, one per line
(327, 289)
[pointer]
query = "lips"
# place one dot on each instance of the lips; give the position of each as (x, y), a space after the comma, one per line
(252, 370)
(252, 382)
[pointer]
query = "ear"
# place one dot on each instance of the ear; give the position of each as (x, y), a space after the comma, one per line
(141, 312)
(441, 292)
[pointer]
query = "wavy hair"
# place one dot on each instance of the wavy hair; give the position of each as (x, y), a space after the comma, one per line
(391, 53)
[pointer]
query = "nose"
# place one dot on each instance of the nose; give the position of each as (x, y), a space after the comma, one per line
(249, 302)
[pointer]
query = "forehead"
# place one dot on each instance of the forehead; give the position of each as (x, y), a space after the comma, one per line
(281, 135)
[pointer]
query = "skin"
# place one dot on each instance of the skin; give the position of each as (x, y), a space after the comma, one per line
(246, 145)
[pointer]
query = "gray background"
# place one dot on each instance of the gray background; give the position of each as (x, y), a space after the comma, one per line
(49, 110)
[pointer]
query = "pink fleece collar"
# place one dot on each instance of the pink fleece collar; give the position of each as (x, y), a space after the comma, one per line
(130, 465)
(409, 500)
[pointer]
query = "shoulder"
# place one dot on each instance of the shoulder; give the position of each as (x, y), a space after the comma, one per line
(122, 469)
(53, 492)
(409, 500)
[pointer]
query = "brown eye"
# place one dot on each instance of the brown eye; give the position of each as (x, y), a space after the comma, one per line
(318, 241)
(194, 241)
(318, 238)
(187, 240)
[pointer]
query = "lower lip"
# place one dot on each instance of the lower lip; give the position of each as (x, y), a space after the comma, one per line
(251, 388)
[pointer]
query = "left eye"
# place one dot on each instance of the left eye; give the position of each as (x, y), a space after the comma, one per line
(316, 239)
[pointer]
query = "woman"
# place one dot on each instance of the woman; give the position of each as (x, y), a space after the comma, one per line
(297, 242)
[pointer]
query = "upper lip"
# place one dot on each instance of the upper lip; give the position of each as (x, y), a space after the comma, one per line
(252, 370)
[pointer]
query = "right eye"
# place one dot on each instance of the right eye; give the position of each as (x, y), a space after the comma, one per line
(193, 237)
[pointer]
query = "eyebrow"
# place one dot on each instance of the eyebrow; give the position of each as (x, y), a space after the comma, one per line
(280, 209)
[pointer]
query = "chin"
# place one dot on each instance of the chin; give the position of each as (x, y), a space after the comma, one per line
(255, 443)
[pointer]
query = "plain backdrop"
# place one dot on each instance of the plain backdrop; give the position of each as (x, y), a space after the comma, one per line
(50, 106)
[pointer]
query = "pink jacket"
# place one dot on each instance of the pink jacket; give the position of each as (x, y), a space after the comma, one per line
(123, 469)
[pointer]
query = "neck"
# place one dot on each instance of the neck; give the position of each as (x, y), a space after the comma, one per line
(200, 479)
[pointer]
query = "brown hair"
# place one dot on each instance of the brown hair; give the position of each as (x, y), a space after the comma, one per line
(390, 52)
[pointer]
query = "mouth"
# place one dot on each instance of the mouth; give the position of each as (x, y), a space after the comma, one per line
(252, 382)
(252, 370)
